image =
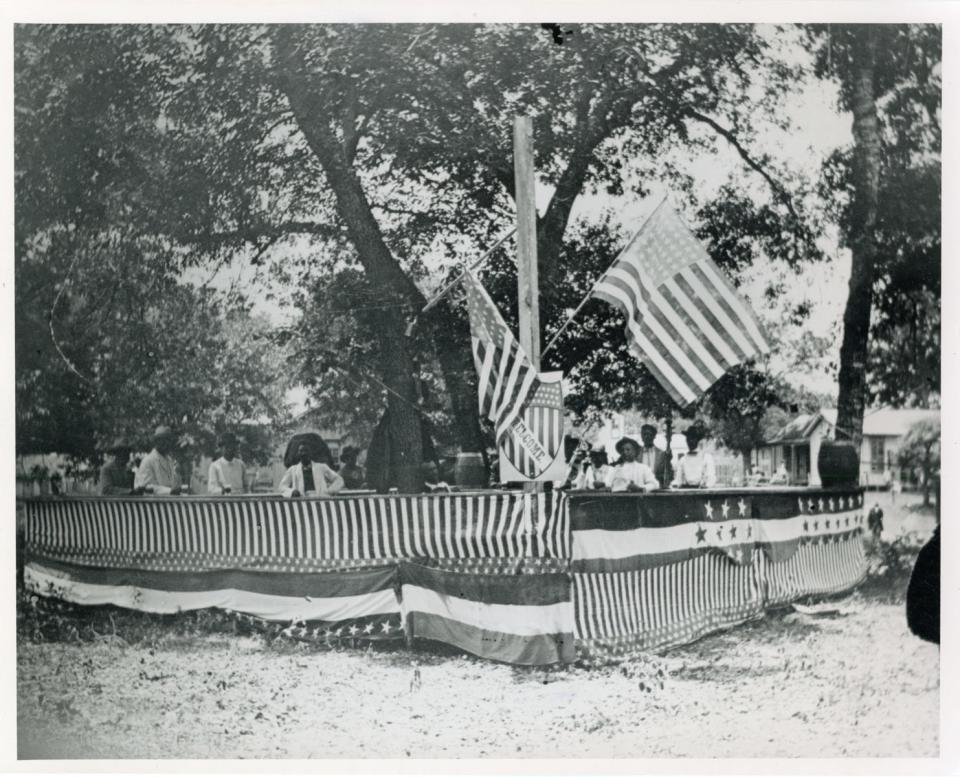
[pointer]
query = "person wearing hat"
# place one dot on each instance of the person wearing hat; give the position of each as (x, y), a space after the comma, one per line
(308, 477)
(158, 472)
(228, 474)
(696, 469)
(630, 474)
(653, 457)
(116, 478)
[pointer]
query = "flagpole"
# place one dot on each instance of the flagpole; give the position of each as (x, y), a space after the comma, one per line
(440, 294)
(528, 302)
(596, 282)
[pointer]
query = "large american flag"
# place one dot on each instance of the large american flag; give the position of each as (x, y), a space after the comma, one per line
(685, 320)
(507, 377)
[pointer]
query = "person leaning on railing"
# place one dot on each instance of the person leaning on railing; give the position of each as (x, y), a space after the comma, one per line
(228, 474)
(630, 474)
(696, 469)
(158, 473)
(308, 477)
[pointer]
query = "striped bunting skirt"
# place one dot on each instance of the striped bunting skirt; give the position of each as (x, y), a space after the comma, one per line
(514, 577)
(334, 569)
(667, 570)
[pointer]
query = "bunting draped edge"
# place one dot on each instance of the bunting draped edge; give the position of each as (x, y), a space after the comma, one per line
(514, 577)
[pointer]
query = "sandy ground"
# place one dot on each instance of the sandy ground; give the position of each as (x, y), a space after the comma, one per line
(850, 684)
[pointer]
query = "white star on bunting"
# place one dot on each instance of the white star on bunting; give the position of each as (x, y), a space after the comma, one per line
(742, 507)
(725, 508)
(708, 508)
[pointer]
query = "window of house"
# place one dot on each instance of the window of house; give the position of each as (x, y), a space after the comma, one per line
(877, 453)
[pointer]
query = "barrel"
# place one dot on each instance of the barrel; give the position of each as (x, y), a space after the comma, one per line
(470, 471)
(838, 463)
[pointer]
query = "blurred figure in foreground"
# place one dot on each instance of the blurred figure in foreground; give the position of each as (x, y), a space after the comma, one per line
(923, 592)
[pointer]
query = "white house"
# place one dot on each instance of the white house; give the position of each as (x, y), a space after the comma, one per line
(797, 445)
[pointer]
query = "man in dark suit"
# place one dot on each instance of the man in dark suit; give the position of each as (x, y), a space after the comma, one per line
(653, 457)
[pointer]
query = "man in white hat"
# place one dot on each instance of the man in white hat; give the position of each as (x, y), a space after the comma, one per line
(158, 473)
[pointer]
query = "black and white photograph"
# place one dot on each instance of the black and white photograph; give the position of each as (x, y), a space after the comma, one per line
(463, 387)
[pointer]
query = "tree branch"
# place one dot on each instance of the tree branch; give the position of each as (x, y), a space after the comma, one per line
(782, 194)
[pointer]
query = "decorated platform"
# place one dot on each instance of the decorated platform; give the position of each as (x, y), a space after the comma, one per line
(518, 577)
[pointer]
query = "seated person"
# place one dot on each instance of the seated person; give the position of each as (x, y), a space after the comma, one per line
(780, 477)
(228, 474)
(630, 474)
(353, 475)
(158, 472)
(115, 476)
(594, 473)
(309, 477)
(696, 469)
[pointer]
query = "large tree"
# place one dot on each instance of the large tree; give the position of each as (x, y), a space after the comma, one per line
(384, 147)
(887, 196)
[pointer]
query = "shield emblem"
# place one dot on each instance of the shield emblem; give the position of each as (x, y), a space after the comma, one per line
(534, 442)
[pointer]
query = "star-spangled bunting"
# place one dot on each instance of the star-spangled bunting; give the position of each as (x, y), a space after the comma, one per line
(507, 377)
(685, 321)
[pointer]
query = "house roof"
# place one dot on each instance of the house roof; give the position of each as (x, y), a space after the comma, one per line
(884, 422)
(895, 422)
(801, 428)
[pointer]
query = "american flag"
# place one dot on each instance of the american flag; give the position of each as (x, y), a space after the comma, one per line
(685, 320)
(507, 377)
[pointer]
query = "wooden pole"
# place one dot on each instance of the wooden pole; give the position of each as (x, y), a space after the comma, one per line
(529, 319)
(527, 283)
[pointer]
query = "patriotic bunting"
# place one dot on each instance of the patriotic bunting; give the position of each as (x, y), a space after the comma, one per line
(520, 578)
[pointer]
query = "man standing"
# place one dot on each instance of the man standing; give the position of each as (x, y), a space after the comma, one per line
(228, 474)
(308, 477)
(653, 457)
(115, 476)
(158, 473)
(875, 521)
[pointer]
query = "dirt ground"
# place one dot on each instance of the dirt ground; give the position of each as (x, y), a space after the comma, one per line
(849, 683)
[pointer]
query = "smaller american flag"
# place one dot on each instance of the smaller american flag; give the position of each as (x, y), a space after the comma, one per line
(507, 377)
(685, 321)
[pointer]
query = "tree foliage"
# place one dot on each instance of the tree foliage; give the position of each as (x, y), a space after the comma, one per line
(885, 195)
(385, 151)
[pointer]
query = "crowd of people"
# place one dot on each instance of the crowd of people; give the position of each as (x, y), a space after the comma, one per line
(642, 466)
(158, 472)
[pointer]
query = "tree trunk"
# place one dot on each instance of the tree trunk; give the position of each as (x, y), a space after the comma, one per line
(863, 218)
(451, 337)
(384, 272)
